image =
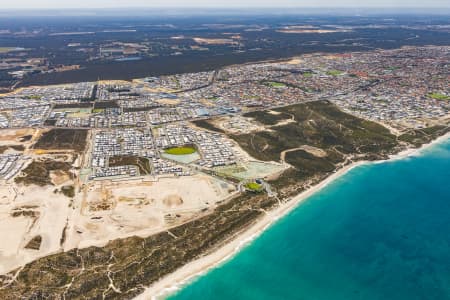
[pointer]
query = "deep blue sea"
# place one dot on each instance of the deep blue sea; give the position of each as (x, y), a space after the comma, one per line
(382, 231)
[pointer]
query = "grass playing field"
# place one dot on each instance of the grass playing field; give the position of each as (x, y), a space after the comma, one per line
(253, 186)
(181, 150)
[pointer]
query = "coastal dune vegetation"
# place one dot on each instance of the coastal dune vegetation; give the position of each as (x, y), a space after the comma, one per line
(343, 137)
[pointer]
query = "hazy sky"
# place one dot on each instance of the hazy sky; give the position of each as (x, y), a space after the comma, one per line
(45, 4)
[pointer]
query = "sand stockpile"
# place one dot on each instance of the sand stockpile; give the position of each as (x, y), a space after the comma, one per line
(172, 200)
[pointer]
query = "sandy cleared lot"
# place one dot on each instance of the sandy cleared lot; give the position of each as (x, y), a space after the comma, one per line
(237, 124)
(16, 137)
(33, 211)
(205, 41)
(167, 101)
(8, 135)
(110, 210)
(103, 211)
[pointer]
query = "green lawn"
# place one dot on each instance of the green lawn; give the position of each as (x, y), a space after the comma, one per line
(34, 97)
(439, 96)
(307, 74)
(181, 150)
(334, 72)
(392, 68)
(251, 97)
(276, 84)
(253, 186)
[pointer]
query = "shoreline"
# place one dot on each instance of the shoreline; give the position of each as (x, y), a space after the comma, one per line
(414, 151)
(175, 281)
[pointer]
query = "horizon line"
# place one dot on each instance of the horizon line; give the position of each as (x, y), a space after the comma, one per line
(227, 8)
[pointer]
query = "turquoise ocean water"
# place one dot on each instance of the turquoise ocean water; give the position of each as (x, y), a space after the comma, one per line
(382, 231)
